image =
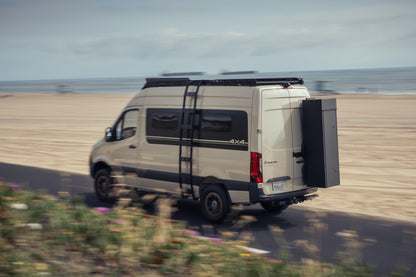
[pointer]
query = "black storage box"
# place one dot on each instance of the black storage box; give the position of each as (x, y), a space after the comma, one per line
(320, 142)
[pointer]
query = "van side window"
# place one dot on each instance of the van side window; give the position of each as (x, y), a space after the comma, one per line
(225, 129)
(164, 121)
(126, 125)
(216, 123)
(224, 125)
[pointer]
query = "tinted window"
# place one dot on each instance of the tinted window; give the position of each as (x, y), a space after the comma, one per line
(216, 123)
(224, 125)
(164, 121)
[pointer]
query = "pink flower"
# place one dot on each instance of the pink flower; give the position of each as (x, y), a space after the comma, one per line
(215, 240)
(14, 186)
(193, 233)
(274, 261)
(119, 221)
(102, 209)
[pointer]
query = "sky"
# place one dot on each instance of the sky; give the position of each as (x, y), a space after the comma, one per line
(54, 39)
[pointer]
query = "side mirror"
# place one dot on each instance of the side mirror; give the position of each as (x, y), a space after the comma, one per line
(108, 134)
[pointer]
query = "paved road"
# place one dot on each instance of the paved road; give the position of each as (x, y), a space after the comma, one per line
(381, 244)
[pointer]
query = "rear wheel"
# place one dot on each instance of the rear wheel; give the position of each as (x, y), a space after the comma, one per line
(103, 185)
(214, 203)
(273, 206)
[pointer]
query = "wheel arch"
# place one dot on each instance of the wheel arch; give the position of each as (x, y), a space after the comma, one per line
(98, 166)
(212, 180)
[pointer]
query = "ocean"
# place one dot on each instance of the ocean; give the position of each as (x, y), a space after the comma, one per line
(383, 81)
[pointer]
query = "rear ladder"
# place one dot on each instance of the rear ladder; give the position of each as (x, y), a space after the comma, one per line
(188, 126)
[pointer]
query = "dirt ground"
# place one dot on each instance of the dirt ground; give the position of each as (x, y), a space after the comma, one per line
(377, 144)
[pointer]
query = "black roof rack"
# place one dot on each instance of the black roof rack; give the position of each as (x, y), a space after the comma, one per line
(179, 82)
(176, 74)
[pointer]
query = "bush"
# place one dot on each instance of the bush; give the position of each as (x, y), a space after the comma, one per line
(45, 235)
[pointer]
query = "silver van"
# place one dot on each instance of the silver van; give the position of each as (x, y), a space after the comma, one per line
(222, 142)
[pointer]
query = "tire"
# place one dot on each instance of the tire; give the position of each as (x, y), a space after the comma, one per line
(273, 206)
(103, 185)
(214, 203)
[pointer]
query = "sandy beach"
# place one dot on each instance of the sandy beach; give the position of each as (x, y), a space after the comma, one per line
(377, 144)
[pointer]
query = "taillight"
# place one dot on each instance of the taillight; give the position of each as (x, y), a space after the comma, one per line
(256, 176)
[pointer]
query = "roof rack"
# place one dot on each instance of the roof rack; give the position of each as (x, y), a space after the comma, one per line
(179, 82)
(176, 74)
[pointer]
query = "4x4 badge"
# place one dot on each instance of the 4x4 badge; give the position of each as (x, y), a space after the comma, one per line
(237, 141)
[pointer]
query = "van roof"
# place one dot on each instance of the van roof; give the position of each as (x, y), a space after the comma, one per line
(178, 82)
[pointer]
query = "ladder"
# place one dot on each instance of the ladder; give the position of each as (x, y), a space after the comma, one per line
(188, 126)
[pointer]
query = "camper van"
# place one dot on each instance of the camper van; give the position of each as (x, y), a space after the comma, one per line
(221, 142)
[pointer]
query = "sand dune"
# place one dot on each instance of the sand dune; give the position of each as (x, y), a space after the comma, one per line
(377, 144)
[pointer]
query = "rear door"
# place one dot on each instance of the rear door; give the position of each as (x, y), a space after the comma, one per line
(277, 144)
(297, 95)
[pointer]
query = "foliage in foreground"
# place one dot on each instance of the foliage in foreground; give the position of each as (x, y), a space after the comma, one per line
(49, 236)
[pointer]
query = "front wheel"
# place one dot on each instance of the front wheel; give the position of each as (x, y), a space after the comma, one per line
(103, 185)
(214, 203)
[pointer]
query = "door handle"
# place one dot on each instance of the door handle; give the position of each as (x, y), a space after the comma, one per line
(132, 146)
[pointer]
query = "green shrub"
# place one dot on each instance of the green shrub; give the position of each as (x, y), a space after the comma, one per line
(45, 235)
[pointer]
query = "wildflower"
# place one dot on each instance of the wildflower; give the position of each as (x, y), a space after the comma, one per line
(114, 230)
(216, 240)
(244, 242)
(245, 255)
(148, 215)
(102, 209)
(228, 234)
(18, 263)
(41, 266)
(193, 233)
(63, 193)
(9, 198)
(35, 226)
(274, 261)
(18, 206)
(174, 241)
(119, 221)
(14, 186)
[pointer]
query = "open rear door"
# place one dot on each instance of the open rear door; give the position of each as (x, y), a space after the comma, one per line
(321, 142)
(297, 95)
(276, 138)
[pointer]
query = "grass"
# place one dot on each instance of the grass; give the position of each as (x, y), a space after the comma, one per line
(42, 235)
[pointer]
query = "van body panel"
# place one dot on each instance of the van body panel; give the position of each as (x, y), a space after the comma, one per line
(156, 159)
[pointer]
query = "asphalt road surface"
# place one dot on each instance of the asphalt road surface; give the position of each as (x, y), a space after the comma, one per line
(383, 245)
